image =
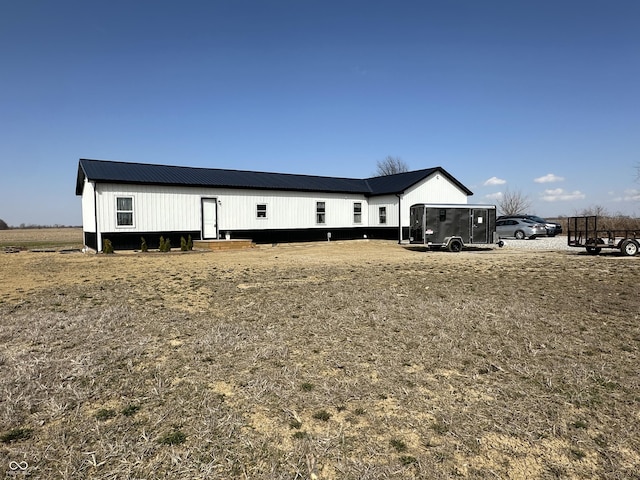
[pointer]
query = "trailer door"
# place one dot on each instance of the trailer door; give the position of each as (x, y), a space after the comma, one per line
(479, 229)
(417, 223)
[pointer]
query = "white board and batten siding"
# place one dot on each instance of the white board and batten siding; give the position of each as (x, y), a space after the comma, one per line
(156, 208)
(286, 210)
(434, 189)
(88, 207)
(390, 203)
(159, 208)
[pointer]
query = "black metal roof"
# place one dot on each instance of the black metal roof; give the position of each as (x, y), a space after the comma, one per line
(106, 171)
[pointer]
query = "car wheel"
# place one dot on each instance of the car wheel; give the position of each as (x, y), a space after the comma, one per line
(629, 248)
(455, 246)
(519, 235)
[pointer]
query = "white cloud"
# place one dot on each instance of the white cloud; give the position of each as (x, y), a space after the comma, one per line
(494, 196)
(629, 195)
(494, 181)
(559, 195)
(549, 178)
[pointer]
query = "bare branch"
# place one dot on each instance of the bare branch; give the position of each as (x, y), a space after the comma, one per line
(514, 203)
(390, 166)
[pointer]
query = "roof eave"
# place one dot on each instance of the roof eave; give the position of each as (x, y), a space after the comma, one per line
(80, 179)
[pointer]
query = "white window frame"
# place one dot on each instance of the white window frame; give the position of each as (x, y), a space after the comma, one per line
(258, 211)
(321, 215)
(382, 215)
(357, 214)
(131, 212)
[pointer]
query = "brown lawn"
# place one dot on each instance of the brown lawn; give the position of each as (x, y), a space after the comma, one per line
(343, 360)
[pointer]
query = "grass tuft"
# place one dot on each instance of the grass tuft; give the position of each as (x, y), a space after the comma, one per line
(175, 437)
(130, 410)
(398, 445)
(105, 414)
(306, 387)
(322, 415)
(408, 460)
(16, 435)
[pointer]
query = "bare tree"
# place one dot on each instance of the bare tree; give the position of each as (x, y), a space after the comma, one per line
(514, 203)
(390, 166)
(597, 210)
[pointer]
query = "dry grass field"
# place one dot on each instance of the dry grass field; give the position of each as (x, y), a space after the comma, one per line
(346, 360)
(29, 238)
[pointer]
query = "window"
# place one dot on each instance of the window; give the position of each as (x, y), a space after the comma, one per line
(320, 212)
(357, 212)
(382, 215)
(124, 211)
(443, 215)
(261, 210)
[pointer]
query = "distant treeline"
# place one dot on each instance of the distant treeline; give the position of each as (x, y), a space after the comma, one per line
(606, 220)
(4, 226)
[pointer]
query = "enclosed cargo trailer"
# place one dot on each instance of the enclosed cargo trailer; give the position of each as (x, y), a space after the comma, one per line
(452, 226)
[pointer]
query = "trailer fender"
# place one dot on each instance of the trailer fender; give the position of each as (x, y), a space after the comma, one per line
(453, 244)
(629, 247)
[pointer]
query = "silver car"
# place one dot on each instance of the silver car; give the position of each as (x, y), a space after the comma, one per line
(519, 228)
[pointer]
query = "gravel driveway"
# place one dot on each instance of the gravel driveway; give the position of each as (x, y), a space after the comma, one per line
(540, 243)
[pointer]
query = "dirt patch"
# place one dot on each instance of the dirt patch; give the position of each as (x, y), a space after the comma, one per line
(352, 360)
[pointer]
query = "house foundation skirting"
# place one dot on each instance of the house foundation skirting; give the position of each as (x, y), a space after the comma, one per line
(133, 240)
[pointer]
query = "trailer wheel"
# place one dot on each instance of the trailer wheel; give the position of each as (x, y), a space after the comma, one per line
(629, 248)
(519, 235)
(594, 250)
(455, 246)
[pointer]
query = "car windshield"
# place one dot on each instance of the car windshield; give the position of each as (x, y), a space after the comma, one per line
(538, 219)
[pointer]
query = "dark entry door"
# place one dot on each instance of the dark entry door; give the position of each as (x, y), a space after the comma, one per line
(479, 226)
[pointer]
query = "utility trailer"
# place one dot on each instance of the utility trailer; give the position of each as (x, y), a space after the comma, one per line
(453, 226)
(584, 232)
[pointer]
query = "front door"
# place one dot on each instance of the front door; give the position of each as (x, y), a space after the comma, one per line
(479, 227)
(209, 218)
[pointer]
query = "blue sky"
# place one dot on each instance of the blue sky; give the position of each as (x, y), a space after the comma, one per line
(541, 97)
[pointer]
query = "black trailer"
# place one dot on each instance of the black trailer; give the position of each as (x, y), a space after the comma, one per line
(452, 226)
(584, 232)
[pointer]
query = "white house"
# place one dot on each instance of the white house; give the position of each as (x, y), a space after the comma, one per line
(123, 202)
